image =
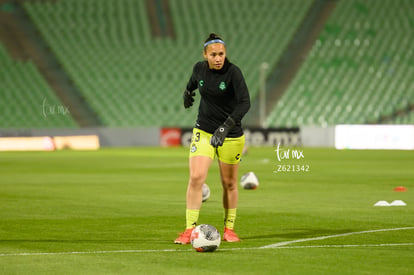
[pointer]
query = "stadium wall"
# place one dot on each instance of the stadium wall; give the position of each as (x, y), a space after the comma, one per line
(317, 136)
(126, 137)
(108, 137)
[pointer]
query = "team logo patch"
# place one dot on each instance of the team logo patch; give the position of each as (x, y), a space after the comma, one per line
(193, 148)
(222, 86)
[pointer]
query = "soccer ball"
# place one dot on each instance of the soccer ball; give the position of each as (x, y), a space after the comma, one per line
(206, 192)
(249, 181)
(205, 238)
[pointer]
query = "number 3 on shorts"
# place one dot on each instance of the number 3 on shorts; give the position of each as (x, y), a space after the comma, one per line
(196, 137)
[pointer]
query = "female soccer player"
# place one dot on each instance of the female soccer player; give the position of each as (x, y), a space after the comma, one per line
(224, 101)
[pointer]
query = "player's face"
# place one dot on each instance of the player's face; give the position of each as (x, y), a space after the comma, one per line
(215, 54)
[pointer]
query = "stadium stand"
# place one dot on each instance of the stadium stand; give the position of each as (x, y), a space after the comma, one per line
(26, 99)
(133, 79)
(360, 69)
(405, 119)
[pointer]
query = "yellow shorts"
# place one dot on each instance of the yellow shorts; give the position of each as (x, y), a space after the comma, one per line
(229, 153)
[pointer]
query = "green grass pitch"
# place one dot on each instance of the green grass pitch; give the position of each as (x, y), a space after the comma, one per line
(117, 211)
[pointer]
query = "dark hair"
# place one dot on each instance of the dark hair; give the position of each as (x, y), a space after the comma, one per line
(212, 36)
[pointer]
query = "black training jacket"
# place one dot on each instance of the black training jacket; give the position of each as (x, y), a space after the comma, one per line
(223, 93)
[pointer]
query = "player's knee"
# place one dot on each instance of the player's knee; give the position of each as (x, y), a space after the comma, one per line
(229, 184)
(197, 179)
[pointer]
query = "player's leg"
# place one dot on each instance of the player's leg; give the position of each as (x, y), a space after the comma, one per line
(229, 174)
(201, 157)
(229, 158)
(199, 166)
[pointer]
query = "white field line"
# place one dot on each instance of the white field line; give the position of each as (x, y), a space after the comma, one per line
(334, 236)
(91, 252)
(348, 245)
(190, 250)
(322, 246)
(281, 245)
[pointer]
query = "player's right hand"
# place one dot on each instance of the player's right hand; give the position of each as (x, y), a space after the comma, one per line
(188, 98)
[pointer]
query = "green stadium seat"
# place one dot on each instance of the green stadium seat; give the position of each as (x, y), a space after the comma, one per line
(107, 49)
(360, 64)
(26, 98)
(358, 70)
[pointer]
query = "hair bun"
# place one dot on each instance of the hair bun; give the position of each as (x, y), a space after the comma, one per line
(213, 36)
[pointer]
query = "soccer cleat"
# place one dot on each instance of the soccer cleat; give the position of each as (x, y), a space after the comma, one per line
(230, 236)
(184, 237)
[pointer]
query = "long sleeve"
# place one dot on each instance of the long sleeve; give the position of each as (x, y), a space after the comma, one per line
(223, 93)
(192, 83)
(241, 94)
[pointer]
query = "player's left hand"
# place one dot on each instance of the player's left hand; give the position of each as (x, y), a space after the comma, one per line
(188, 98)
(221, 132)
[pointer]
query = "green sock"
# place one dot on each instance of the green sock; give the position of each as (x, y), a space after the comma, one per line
(191, 217)
(229, 218)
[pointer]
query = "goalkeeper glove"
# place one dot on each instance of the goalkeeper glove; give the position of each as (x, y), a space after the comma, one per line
(221, 132)
(188, 98)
